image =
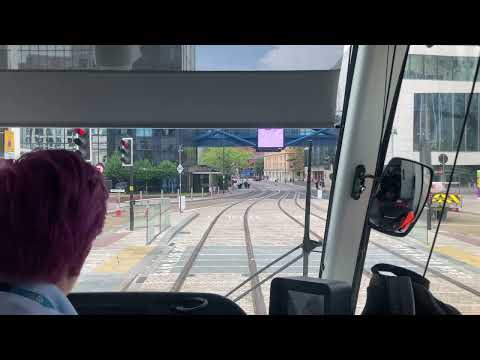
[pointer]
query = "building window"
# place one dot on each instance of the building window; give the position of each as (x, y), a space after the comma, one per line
(430, 67)
(433, 67)
(143, 132)
(445, 68)
(458, 116)
(438, 118)
(472, 125)
(415, 69)
(446, 111)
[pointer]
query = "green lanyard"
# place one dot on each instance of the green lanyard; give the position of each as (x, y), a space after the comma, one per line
(38, 298)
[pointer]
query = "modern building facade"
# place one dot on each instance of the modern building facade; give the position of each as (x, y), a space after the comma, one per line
(431, 109)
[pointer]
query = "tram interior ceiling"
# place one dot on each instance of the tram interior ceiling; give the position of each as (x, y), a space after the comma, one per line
(197, 99)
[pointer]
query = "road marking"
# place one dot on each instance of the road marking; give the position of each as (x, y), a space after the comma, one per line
(123, 261)
(458, 254)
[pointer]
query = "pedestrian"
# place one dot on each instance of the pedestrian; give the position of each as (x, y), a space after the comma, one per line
(53, 206)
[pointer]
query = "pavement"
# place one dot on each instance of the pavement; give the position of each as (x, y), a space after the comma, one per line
(118, 256)
(120, 259)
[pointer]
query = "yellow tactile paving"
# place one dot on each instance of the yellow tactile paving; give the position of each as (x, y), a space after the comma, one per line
(458, 254)
(124, 260)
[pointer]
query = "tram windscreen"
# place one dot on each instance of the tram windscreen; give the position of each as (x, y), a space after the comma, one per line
(270, 138)
(302, 303)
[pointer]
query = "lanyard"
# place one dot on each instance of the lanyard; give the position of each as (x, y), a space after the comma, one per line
(38, 298)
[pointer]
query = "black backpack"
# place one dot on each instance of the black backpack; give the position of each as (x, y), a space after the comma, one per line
(405, 293)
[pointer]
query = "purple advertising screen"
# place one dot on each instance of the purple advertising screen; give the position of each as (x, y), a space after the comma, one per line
(270, 138)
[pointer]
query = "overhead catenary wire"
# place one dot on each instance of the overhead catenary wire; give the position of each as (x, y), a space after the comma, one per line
(460, 140)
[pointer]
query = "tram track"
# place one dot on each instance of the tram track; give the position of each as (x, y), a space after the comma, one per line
(407, 259)
(200, 204)
(365, 272)
(257, 296)
(279, 204)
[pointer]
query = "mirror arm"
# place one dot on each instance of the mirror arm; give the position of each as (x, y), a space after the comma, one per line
(359, 181)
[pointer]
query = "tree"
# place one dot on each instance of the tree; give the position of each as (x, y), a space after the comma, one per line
(114, 169)
(166, 170)
(144, 172)
(299, 162)
(226, 159)
(259, 166)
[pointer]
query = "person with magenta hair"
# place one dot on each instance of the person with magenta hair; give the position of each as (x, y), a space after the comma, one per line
(53, 205)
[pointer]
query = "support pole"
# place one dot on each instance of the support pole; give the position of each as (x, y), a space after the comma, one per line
(180, 149)
(132, 217)
(306, 234)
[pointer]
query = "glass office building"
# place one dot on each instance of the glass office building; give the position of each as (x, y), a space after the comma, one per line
(431, 109)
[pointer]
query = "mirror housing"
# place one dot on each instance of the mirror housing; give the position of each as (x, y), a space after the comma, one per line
(400, 196)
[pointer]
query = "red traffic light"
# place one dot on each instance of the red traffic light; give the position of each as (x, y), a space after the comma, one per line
(80, 131)
(124, 143)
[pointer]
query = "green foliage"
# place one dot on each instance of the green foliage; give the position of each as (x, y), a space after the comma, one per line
(226, 159)
(166, 169)
(143, 170)
(259, 166)
(298, 162)
(114, 169)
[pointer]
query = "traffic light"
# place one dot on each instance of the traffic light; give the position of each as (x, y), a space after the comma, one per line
(126, 151)
(83, 143)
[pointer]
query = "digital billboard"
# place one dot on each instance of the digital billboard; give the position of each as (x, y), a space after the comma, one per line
(270, 139)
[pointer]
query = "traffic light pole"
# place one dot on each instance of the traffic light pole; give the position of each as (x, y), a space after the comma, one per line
(180, 149)
(132, 217)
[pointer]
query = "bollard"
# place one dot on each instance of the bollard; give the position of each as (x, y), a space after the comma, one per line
(141, 195)
(161, 194)
(191, 193)
(202, 192)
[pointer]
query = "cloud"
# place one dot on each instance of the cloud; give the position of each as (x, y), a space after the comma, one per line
(301, 57)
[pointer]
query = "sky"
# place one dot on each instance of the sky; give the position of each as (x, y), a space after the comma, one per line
(267, 57)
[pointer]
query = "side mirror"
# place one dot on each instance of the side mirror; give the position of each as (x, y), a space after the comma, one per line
(400, 196)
